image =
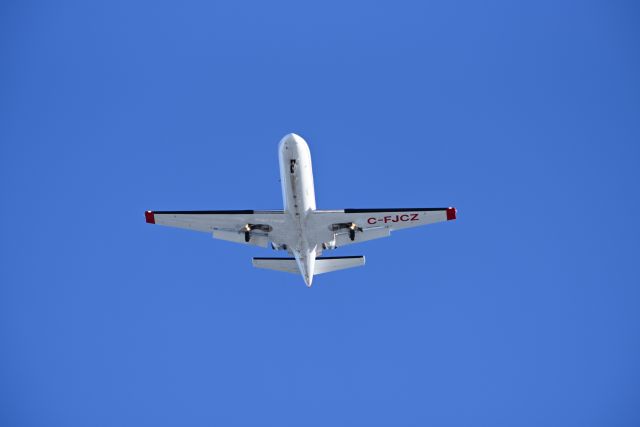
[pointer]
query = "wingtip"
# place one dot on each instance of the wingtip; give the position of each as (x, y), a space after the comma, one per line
(451, 213)
(148, 216)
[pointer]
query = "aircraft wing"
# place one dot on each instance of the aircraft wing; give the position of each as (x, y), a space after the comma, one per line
(240, 226)
(343, 227)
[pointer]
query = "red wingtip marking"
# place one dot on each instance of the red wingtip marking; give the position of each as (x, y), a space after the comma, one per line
(451, 213)
(148, 215)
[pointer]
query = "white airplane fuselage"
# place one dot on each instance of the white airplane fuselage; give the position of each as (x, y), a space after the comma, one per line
(298, 194)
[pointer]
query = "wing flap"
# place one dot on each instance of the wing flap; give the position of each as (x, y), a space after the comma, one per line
(343, 239)
(239, 237)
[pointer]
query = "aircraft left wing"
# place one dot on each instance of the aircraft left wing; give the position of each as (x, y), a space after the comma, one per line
(358, 225)
(240, 226)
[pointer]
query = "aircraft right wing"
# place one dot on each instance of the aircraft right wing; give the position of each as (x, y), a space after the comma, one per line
(239, 226)
(357, 225)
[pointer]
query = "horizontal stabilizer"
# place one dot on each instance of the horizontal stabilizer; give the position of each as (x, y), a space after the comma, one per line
(329, 264)
(288, 265)
(322, 264)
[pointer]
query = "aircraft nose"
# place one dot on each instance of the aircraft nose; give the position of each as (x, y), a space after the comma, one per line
(294, 142)
(293, 138)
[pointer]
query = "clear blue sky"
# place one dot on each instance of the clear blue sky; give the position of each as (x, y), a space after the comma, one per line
(523, 115)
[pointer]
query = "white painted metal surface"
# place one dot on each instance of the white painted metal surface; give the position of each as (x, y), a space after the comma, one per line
(322, 265)
(300, 229)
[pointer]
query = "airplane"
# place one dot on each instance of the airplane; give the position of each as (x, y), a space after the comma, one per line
(301, 229)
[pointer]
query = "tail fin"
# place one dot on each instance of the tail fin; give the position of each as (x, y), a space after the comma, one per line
(323, 264)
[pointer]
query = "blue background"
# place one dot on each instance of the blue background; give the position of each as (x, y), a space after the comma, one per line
(524, 311)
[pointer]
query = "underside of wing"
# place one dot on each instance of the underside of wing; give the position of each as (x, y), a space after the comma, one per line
(398, 218)
(339, 228)
(240, 226)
